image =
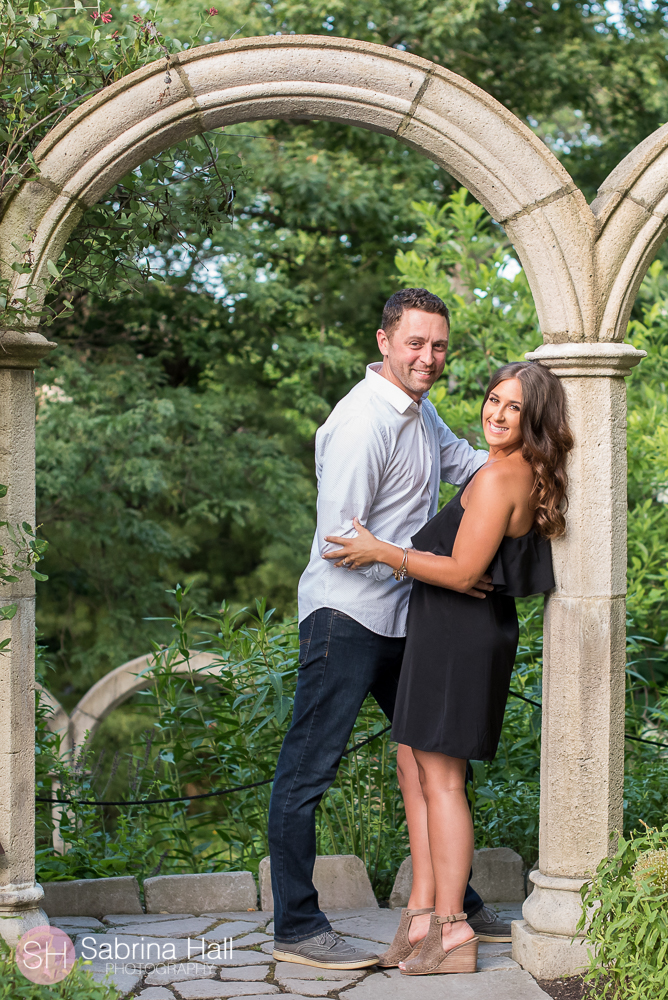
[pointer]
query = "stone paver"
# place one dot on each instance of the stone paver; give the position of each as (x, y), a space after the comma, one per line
(123, 981)
(206, 990)
(250, 973)
(513, 984)
(372, 925)
(238, 958)
(157, 973)
(121, 919)
(229, 929)
(251, 939)
(495, 963)
(183, 972)
(311, 987)
(183, 928)
(365, 945)
(74, 925)
(292, 970)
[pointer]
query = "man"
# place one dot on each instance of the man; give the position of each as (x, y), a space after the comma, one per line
(379, 457)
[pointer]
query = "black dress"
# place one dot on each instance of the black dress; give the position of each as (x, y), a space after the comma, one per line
(460, 651)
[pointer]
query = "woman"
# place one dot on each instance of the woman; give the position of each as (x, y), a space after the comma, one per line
(460, 651)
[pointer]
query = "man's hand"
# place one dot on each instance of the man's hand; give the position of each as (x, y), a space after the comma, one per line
(483, 584)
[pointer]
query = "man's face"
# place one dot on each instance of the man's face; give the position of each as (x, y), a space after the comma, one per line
(415, 351)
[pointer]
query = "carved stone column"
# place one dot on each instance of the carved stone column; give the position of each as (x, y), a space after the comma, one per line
(582, 754)
(20, 353)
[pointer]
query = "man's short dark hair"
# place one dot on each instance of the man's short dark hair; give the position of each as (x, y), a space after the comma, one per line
(411, 298)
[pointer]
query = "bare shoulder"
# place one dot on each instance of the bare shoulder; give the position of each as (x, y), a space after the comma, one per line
(511, 476)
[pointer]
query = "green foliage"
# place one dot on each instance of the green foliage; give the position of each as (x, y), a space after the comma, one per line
(626, 903)
(219, 727)
(77, 985)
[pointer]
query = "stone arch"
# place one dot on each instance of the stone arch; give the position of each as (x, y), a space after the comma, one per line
(110, 692)
(560, 240)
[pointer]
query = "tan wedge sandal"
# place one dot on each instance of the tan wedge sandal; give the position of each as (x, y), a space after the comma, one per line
(401, 949)
(434, 959)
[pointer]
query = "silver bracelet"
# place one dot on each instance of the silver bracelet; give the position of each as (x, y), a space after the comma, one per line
(402, 572)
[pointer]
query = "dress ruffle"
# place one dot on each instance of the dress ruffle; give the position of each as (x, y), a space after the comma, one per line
(522, 566)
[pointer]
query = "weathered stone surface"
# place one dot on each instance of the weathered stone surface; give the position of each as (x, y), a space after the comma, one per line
(229, 929)
(181, 972)
(292, 970)
(498, 874)
(203, 990)
(92, 897)
(509, 984)
(311, 988)
(496, 963)
(374, 925)
(341, 881)
(185, 927)
(250, 973)
(240, 957)
(123, 981)
(548, 955)
(123, 919)
(403, 884)
(249, 940)
(200, 893)
(156, 993)
(73, 925)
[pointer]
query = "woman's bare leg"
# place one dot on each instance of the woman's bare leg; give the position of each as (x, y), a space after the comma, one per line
(423, 893)
(450, 830)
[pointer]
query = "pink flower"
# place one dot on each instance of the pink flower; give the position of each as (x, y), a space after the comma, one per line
(212, 11)
(106, 16)
(138, 19)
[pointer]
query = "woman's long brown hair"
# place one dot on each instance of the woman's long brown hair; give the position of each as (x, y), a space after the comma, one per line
(547, 440)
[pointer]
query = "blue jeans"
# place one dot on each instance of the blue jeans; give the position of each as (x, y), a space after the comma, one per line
(341, 662)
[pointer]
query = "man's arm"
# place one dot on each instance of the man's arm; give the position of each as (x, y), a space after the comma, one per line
(354, 460)
(459, 459)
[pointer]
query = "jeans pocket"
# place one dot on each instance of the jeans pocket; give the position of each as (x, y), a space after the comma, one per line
(305, 636)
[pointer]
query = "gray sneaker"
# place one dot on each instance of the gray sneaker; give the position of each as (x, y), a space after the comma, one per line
(325, 951)
(488, 927)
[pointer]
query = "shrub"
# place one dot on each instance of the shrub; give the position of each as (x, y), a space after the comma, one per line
(628, 900)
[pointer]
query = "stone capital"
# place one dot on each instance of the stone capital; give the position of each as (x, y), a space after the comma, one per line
(19, 349)
(577, 360)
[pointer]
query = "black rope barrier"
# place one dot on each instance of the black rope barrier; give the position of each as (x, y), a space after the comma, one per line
(202, 795)
(636, 739)
(268, 781)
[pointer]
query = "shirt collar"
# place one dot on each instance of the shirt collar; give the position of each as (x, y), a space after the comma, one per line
(399, 399)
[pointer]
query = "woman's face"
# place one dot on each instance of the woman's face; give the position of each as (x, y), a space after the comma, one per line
(501, 415)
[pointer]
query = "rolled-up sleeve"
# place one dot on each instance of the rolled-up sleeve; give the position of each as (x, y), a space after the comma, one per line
(354, 459)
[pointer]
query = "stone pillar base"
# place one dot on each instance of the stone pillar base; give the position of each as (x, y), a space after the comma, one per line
(548, 956)
(20, 911)
(14, 924)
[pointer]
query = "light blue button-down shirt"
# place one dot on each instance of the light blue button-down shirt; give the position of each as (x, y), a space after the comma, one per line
(379, 457)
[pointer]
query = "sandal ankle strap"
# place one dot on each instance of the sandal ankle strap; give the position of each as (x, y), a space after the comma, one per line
(418, 913)
(452, 918)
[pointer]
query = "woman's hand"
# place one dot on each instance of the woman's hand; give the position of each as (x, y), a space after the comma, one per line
(356, 552)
